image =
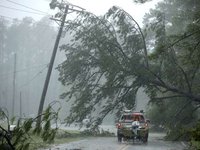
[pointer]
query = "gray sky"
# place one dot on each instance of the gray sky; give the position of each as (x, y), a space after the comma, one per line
(98, 7)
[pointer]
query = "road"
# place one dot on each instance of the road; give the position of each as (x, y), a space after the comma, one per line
(155, 142)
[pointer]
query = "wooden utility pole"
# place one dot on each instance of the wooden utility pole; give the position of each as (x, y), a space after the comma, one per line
(51, 66)
(14, 82)
(20, 104)
(53, 5)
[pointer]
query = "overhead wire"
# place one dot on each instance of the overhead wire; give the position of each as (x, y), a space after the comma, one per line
(21, 10)
(27, 7)
(34, 77)
(22, 70)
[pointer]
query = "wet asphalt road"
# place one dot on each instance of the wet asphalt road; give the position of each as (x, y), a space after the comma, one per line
(110, 143)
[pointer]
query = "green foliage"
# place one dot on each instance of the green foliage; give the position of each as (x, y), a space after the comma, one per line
(195, 132)
(195, 145)
(175, 29)
(21, 136)
(12, 120)
(28, 125)
(178, 133)
(47, 133)
(173, 116)
(96, 132)
(191, 134)
(106, 64)
(100, 64)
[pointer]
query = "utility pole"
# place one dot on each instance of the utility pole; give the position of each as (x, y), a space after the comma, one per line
(20, 104)
(14, 82)
(50, 67)
(64, 6)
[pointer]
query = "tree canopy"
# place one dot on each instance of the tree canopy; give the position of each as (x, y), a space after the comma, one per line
(106, 59)
(174, 25)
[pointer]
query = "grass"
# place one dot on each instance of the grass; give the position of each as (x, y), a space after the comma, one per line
(63, 136)
(195, 145)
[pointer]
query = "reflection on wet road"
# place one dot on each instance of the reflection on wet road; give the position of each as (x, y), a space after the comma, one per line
(110, 143)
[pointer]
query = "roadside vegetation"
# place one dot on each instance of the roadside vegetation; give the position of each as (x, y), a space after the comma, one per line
(26, 135)
(66, 136)
(182, 126)
(60, 138)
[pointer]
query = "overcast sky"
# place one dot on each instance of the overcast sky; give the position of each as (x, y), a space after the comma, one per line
(10, 8)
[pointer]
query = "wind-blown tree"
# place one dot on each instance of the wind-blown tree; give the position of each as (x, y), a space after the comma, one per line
(176, 37)
(102, 59)
(106, 64)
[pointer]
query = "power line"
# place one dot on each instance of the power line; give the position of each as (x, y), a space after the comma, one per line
(35, 76)
(21, 10)
(38, 23)
(27, 7)
(21, 70)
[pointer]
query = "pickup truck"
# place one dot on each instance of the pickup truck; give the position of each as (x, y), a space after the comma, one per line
(126, 129)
